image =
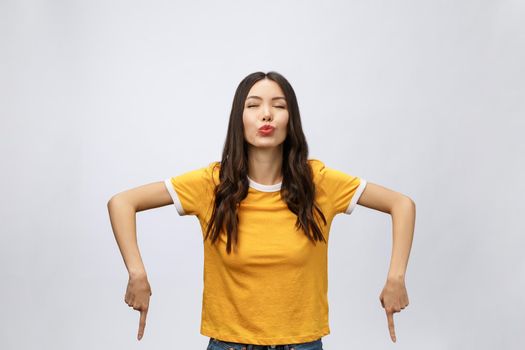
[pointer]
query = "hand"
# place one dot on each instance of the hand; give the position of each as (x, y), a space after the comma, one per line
(137, 296)
(393, 298)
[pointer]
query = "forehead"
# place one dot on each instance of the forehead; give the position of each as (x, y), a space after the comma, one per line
(266, 88)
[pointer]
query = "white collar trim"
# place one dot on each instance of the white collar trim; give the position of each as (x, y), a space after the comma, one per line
(265, 188)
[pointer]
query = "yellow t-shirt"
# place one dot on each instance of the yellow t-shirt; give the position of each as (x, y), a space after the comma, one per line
(273, 290)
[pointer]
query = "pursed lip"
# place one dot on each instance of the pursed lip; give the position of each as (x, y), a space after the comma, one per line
(266, 127)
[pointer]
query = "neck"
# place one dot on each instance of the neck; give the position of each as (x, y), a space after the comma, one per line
(265, 165)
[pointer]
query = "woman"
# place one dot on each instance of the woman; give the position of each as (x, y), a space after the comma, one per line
(265, 212)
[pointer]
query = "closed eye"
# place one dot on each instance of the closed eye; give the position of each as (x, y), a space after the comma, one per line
(283, 107)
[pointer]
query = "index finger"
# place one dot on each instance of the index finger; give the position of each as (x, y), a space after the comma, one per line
(142, 323)
(390, 318)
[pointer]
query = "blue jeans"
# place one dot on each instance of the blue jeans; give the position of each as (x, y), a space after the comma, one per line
(216, 344)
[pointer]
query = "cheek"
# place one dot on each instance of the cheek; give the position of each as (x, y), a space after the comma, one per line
(245, 123)
(285, 126)
(249, 127)
(250, 123)
(284, 122)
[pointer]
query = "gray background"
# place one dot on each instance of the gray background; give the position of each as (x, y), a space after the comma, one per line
(423, 97)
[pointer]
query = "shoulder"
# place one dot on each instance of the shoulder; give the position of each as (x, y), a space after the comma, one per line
(325, 173)
(212, 171)
(204, 173)
(213, 166)
(317, 166)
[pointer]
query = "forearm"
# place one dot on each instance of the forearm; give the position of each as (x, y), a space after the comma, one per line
(403, 222)
(123, 222)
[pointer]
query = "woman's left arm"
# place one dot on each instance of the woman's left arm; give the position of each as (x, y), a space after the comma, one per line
(402, 209)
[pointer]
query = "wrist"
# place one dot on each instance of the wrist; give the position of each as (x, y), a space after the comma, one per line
(395, 278)
(137, 273)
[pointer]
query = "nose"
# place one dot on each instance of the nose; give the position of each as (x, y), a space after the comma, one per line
(267, 115)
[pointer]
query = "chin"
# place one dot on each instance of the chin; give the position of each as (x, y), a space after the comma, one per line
(269, 144)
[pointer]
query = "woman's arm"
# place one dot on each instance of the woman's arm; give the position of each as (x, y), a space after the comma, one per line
(403, 215)
(122, 209)
(402, 209)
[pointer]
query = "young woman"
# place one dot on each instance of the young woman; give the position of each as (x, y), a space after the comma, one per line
(265, 212)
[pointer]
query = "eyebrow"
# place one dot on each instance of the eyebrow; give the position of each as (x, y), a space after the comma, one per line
(274, 98)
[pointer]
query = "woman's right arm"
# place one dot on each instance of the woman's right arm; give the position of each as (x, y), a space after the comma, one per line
(122, 209)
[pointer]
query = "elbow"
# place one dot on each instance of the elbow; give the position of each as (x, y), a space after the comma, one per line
(110, 203)
(409, 202)
(120, 200)
(403, 203)
(113, 200)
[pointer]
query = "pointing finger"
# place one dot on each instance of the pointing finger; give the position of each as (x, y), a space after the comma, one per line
(142, 323)
(390, 318)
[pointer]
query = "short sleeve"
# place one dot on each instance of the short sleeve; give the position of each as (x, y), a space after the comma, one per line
(343, 189)
(192, 191)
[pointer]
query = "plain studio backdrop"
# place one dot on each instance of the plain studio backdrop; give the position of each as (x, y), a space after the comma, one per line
(423, 97)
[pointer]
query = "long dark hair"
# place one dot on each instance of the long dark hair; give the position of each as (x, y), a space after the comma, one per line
(297, 189)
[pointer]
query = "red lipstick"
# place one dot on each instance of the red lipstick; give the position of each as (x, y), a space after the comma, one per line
(266, 130)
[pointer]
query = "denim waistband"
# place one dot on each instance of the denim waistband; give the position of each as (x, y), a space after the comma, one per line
(226, 345)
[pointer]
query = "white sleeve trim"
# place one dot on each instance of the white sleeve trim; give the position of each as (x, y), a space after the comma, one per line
(174, 196)
(355, 198)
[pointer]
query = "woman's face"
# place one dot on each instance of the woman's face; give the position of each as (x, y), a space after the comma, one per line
(265, 105)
